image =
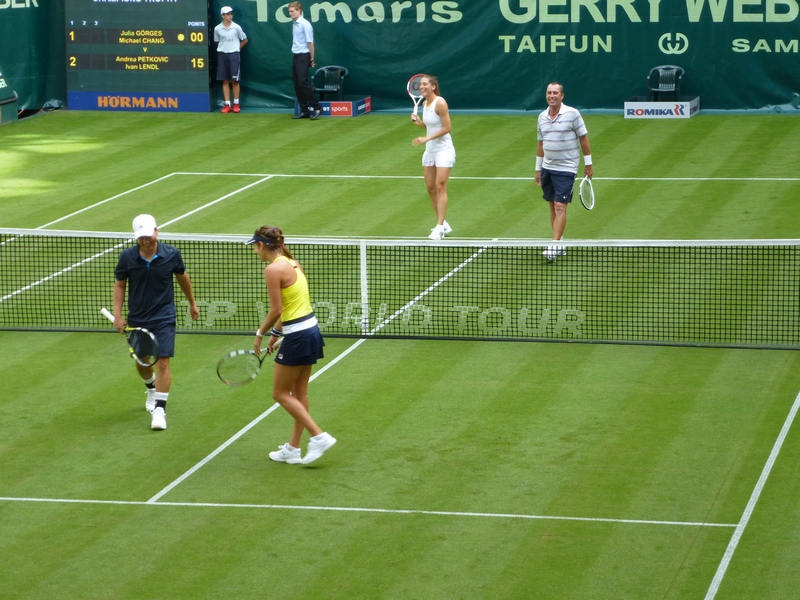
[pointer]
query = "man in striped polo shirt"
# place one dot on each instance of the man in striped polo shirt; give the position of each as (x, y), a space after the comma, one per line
(562, 136)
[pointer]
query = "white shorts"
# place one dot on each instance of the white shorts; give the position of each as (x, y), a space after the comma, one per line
(446, 157)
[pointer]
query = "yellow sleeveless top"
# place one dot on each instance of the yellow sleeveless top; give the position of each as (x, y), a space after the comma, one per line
(296, 299)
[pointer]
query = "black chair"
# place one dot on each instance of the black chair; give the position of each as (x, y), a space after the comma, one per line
(664, 80)
(329, 80)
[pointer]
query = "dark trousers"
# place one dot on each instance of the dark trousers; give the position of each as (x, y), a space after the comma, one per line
(306, 98)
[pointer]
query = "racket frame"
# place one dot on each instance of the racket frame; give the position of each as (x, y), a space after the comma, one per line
(233, 354)
(128, 331)
(417, 98)
(586, 193)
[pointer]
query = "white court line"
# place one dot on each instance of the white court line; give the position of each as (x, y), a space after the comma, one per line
(80, 263)
(390, 511)
(96, 204)
(751, 504)
(220, 199)
(430, 288)
(309, 176)
(120, 245)
(244, 430)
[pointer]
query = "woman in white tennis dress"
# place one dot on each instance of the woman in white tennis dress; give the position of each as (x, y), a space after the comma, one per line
(440, 154)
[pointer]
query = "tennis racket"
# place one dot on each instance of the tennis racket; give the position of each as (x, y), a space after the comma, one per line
(586, 192)
(142, 343)
(413, 91)
(240, 367)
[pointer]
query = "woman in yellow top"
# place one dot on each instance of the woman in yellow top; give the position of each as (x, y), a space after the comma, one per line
(291, 316)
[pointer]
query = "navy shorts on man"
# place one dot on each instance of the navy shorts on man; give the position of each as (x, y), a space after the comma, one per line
(558, 186)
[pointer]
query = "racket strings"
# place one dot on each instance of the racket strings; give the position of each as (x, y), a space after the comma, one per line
(413, 86)
(239, 368)
(586, 192)
(144, 346)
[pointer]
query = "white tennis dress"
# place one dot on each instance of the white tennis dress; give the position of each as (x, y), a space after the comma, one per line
(440, 151)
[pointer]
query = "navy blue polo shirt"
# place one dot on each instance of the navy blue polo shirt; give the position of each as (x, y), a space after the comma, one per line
(151, 292)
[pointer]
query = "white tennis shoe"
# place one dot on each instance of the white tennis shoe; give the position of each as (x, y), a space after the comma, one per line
(317, 446)
(552, 253)
(437, 233)
(159, 422)
(285, 453)
(447, 228)
(150, 403)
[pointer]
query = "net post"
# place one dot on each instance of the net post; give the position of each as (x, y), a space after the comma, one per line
(362, 252)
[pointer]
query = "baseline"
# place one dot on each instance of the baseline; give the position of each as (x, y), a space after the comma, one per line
(478, 178)
(390, 511)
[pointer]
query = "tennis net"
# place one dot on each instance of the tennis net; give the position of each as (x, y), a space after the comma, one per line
(735, 293)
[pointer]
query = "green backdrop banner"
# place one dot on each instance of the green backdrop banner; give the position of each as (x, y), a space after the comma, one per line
(500, 54)
(32, 50)
(488, 54)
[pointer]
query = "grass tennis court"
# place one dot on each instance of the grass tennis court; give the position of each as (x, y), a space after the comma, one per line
(463, 469)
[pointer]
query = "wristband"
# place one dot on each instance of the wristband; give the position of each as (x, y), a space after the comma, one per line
(259, 334)
(276, 332)
(539, 161)
(587, 160)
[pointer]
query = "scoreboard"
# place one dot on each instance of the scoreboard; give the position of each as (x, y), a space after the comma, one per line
(137, 55)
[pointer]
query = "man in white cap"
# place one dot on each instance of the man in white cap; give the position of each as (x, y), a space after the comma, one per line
(230, 40)
(149, 267)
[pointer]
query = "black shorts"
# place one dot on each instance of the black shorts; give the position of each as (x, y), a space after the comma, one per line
(228, 66)
(301, 348)
(557, 186)
(165, 335)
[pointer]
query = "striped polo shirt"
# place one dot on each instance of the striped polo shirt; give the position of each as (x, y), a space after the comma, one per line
(559, 136)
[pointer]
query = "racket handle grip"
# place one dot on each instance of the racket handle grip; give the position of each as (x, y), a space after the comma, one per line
(107, 314)
(414, 112)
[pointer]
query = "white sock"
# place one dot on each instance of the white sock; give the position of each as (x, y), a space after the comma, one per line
(161, 396)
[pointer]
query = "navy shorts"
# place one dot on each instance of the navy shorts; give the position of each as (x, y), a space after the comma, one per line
(228, 66)
(165, 335)
(301, 348)
(557, 186)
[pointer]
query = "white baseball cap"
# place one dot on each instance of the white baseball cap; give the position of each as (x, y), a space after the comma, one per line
(225, 10)
(144, 226)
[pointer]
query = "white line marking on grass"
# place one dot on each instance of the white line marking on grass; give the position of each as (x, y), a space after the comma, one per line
(208, 458)
(698, 178)
(121, 244)
(244, 430)
(220, 199)
(432, 287)
(96, 204)
(264, 177)
(751, 504)
(61, 272)
(477, 178)
(388, 511)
